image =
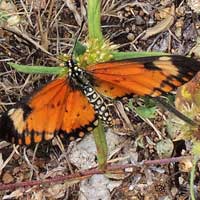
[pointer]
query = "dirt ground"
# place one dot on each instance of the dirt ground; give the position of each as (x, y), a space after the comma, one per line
(36, 28)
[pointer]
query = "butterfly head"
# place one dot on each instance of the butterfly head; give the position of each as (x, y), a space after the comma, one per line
(71, 65)
(75, 72)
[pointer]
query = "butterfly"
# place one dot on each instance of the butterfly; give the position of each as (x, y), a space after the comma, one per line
(72, 105)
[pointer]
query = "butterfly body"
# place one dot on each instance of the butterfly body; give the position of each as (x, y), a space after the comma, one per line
(82, 80)
(71, 105)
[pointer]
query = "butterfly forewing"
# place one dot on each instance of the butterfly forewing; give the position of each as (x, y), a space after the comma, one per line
(142, 76)
(57, 108)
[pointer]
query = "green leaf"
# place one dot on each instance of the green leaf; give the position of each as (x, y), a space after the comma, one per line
(149, 102)
(79, 49)
(145, 112)
(126, 55)
(38, 69)
(170, 98)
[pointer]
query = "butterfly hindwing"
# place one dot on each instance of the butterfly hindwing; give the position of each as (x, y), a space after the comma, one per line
(79, 114)
(151, 76)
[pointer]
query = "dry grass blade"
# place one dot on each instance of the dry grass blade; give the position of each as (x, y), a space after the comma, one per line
(162, 26)
(73, 8)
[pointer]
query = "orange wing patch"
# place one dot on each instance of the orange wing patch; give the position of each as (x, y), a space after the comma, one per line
(47, 108)
(78, 115)
(55, 109)
(142, 76)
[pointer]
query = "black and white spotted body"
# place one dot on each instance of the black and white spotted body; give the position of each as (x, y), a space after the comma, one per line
(80, 78)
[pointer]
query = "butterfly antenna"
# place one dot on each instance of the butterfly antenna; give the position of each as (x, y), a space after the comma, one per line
(77, 38)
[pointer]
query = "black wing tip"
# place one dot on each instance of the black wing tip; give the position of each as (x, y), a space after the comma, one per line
(186, 63)
(8, 130)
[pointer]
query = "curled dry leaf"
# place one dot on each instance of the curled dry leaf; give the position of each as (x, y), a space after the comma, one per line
(7, 178)
(56, 191)
(162, 26)
(194, 5)
(14, 195)
(39, 195)
(185, 165)
(9, 16)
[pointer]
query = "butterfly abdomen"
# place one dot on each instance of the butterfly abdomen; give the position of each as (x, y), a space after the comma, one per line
(82, 80)
(100, 107)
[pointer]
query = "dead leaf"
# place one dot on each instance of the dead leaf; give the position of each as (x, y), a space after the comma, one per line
(162, 26)
(7, 11)
(38, 4)
(185, 165)
(194, 5)
(14, 195)
(56, 191)
(39, 195)
(7, 178)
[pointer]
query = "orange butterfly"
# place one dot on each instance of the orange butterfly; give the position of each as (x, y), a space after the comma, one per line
(70, 106)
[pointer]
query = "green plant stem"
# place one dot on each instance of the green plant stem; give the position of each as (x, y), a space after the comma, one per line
(101, 145)
(192, 177)
(94, 32)
(94, 20)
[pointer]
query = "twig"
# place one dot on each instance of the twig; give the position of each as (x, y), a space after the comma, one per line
(115, 169)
